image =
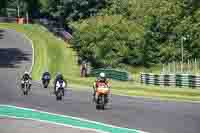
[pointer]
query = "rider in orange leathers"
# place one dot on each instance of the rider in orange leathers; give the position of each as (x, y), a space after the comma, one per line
(101, 80)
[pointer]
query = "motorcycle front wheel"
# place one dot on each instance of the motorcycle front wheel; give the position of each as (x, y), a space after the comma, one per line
(59, 95)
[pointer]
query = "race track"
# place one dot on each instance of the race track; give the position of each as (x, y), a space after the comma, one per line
(148, 115)
(24, 126)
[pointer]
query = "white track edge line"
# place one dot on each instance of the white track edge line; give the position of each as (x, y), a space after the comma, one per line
(50, 122)
(33, 52)
(82, 119)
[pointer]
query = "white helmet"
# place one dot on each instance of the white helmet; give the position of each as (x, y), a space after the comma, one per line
(26, 72)
(102, 75)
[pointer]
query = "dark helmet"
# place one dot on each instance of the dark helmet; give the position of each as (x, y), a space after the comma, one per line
(59, 76)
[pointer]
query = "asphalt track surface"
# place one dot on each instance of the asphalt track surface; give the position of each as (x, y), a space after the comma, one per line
(29, 126)
(149, 115)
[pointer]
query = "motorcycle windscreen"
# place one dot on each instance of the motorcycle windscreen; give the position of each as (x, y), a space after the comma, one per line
(46, 77)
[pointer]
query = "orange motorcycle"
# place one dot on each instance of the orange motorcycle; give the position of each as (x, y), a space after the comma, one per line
(102, 93)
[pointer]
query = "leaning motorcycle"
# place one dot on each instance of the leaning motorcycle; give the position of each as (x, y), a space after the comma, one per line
(59, 91)
(26, 88)
(102, 93)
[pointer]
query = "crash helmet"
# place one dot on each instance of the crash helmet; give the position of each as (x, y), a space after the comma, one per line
(102, 76)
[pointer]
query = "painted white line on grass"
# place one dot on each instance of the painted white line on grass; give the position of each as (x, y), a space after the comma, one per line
(81, 119)
(33, 52)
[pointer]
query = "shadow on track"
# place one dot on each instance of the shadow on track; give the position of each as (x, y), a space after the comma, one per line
(10, 57)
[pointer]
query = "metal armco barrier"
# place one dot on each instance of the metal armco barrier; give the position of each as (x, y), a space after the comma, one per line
(179, 80)
(112, 73)
(8, 19)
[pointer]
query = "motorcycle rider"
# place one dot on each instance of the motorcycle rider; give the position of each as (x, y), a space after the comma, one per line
(46, 76)
(101, 79)
(84, 68)
(59, 76)
(60, 83)
(25, 77)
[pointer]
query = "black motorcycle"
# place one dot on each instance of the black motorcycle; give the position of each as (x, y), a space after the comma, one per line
(101, 101)
(59, 93)
(26, 88)
(45, 81)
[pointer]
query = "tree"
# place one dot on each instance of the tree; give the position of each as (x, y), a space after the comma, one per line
(109, 41)
(3, 5)
(33, 8)
(72, 10)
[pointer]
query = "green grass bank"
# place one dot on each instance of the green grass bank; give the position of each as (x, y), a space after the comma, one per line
(55, 55)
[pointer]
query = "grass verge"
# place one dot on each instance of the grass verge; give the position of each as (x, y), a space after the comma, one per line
(55, 55)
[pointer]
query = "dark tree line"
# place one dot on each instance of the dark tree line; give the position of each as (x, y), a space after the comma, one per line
(123, 32)
(21, 7)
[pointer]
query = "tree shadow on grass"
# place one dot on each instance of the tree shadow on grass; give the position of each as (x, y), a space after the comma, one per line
(11, 57)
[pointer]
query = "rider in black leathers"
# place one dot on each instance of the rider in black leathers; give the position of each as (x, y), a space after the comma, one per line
(25, 77)
(46, 76)
(59, 76)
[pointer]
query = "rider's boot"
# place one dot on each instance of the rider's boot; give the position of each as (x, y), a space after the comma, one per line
(29, 86)
(94, 97)
(43, 81)
(106, 99)
(22, 86)
(54, 89)
(63, 91)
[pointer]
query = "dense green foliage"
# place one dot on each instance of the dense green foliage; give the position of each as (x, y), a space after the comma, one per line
(109, 40)
(144, 32)
(73, 9)
(62, 10)
(3, 4)
(32, 7)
